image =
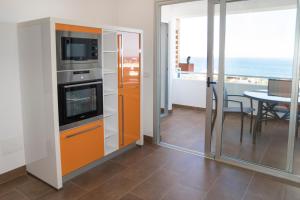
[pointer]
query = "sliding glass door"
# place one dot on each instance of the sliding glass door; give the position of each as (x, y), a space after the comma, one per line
(258, 84)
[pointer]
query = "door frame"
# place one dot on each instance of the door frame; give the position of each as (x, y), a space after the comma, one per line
(157, 82)
(167, 82)
(294, 104)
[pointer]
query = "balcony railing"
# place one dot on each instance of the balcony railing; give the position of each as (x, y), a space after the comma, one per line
(242, 79)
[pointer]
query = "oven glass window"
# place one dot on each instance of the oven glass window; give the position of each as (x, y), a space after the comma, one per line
(81, 101)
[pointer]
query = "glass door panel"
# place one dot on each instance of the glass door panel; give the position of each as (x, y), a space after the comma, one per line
(296, 153)
(258, 72)
(183, 73)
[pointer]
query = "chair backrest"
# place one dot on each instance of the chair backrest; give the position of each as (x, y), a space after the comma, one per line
(281, 88)
(215, 93)
(225, 104)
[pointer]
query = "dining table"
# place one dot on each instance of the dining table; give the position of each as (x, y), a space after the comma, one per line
(265, 102)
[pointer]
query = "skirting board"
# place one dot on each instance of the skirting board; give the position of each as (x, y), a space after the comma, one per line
(13, 174)
(148, 139)
(147, 132)
(188, 107)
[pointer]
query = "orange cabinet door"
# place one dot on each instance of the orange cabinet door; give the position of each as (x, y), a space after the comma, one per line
(129, 104)
(81, 146)
(129, 87)
(129, 45)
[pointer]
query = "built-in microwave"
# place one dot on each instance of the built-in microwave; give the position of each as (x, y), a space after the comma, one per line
(78, 50)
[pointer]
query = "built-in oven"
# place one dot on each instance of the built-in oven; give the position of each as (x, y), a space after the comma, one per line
(79, 101)
(77, 50)
(80, 97)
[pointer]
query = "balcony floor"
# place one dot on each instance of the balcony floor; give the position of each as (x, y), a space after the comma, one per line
(185, 128)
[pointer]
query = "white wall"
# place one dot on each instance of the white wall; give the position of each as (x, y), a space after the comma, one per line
(12, 11)
(94, 11)
(193, 92)
(140, 14)
(189, 92)
(11, 136)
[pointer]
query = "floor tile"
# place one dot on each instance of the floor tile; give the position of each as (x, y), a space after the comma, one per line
(157, 185)
(34, 188)
(130, 197)
(291, 193)
(266, 188)
(13, 195)
(113, 189)
(232, 184)
(69, 192)
(180, 192)
(9, 186)
(98, 175)
(133, 155)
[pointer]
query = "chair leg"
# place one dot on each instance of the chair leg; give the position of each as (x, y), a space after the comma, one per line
(242, 127)
(251, 123)
(251, 115)
(297, 127)
(214, 121)
(223, 119)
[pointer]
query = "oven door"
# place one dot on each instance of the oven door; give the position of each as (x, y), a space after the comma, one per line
(80, 101)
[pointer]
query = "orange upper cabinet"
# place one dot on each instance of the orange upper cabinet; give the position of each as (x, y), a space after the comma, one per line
(129, 87)
(75, 28)
(81, 146)
(129, 65)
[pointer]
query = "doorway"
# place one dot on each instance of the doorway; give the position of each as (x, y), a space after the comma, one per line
(260, 132)
(183, 75)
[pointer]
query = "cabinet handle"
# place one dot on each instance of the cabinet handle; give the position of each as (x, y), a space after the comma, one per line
(82, 132)
(122, 119)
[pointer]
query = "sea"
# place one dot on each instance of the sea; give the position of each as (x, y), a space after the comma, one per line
(257, 67)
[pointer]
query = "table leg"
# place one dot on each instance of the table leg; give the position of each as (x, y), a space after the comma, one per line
(257, 121)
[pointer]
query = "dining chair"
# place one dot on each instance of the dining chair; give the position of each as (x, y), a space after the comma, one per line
(275, 110)
(241, 109)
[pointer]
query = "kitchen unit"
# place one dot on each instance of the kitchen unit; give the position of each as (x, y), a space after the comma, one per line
(81, 94)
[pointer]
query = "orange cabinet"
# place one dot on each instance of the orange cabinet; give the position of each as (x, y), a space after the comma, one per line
(129, 87)
(81, 146)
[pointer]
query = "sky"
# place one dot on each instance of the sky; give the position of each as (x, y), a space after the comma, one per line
(267, 34)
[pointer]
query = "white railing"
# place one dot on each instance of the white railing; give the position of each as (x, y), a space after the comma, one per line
(261, 80)
(190, 88)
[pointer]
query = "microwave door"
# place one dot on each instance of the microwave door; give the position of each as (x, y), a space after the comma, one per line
(75, 49)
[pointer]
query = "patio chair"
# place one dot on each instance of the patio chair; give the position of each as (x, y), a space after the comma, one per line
(234, 109)
(280, 88)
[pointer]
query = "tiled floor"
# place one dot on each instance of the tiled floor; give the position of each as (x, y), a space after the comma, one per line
(154, 173)
(184, 127)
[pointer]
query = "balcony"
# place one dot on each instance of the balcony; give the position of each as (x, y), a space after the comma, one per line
(185, 125)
